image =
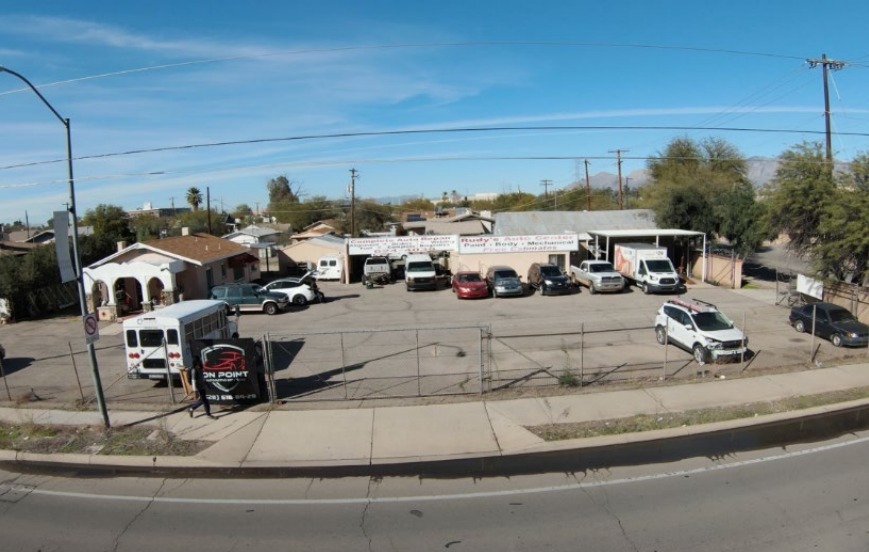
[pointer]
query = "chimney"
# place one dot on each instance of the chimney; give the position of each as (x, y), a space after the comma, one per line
(121, 246)
(185, 231)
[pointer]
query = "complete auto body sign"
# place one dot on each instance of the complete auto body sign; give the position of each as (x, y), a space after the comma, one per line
(401, 245)
(229, 368)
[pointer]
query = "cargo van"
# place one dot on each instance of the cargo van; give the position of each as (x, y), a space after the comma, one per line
(419, 272)
(330, 267)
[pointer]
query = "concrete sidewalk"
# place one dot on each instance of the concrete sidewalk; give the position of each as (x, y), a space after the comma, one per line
(406, 434)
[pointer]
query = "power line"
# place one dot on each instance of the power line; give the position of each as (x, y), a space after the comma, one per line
(431, 131)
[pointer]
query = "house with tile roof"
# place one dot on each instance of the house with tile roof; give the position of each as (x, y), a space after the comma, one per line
(160, 272)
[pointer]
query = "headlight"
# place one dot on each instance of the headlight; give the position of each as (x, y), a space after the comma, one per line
(547, 282)
(712, 344)
(851, 334)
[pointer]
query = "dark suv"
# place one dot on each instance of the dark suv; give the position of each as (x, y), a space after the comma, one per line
(548, 278)
(250, 298)
(503, 280)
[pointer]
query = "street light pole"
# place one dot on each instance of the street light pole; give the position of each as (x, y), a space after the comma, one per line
(82, 296)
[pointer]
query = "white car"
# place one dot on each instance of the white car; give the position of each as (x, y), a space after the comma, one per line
(699, 328)
(295, 289)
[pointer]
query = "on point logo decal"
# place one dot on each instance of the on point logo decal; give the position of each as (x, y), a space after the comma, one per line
(224, 366)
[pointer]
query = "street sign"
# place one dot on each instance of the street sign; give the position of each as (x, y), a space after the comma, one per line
(91, 327)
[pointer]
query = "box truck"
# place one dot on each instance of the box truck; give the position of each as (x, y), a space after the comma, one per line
(647, 266)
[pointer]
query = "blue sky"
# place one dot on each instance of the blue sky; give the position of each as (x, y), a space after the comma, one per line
(165, 76)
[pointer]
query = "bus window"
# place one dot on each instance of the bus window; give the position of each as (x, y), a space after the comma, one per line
(151, 338)
(172, 336)
(132, 338)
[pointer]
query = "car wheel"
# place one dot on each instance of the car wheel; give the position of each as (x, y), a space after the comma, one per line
(645, 288)
(271, 308)
(591, 289)
(299, 300)
(700, 354)
(836, 340)
(661, 335)
(800, 326)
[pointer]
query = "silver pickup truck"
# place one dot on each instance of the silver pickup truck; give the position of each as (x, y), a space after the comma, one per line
(598, 276)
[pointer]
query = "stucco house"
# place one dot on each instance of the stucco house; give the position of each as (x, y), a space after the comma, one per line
(160, 272)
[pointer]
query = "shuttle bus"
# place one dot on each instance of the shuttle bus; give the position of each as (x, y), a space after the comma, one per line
(158, 342)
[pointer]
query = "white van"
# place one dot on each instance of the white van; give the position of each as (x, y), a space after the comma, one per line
(419, 272)
(158, 342)
(330, 267)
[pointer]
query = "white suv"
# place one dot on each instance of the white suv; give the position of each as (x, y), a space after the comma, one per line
(699, 328)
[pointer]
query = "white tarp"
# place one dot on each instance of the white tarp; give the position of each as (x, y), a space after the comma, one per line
(810, 286)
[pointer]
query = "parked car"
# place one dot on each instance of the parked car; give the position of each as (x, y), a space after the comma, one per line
(599, 276)
(295, 289)
(548, 278)
(830, 322)
(699, 328)
(503, 280)
(469, 285)
(250, 298)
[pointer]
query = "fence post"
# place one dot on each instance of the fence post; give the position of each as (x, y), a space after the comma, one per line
(481, 361)
(343, 366)
(742, 354)
(812, 350)
(5, 382)
(270, 373)
(169, 381)
(418, 383)
(75, 369)
(666, 347)
(581, 354)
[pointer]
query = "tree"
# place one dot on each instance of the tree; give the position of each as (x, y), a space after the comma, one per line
(691, 180)
(798, 194)
(194, 198)
(281, 191)
(741, 220)
(823, 214)
(243, 213)
(110, 221)
(148, 226)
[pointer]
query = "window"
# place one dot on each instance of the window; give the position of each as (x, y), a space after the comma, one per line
(151, 338)
(132, 338)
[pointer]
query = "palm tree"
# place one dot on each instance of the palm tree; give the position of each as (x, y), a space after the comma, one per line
(194, 198)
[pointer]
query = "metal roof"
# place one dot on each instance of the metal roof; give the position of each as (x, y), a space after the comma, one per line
(644, 233)
(527, 223)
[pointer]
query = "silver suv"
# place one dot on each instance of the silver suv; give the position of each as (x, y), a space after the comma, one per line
(503, 280)
(699, 328)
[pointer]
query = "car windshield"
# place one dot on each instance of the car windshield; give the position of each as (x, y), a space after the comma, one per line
(841, 315)
(660, 265)
(550, 271)
(506, 274)
(419, 266)
(601, 267)
(469, 278)
(712, 321)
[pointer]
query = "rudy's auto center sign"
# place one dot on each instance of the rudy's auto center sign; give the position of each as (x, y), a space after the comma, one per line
(230, 369)
(518, 244)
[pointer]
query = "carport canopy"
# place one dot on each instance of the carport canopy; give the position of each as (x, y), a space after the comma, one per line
(657, 233)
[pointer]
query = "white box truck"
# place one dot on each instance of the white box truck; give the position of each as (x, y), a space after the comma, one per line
(647, 266)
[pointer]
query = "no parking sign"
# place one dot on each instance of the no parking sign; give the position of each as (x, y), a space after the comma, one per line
(91, 327)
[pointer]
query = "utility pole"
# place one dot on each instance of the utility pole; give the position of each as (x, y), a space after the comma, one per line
(208, 206)
(353, 173)
(618, 153)
(826, 65)
(546, 184)
(587, 188)
(627, 189)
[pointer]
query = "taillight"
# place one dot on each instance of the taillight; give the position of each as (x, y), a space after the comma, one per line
(133, 355)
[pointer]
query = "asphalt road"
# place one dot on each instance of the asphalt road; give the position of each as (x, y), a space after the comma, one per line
(808, 497)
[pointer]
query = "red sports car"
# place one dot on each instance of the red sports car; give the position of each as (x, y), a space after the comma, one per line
(469, 285)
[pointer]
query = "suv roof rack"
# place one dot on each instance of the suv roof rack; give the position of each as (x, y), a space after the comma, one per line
(695, 305)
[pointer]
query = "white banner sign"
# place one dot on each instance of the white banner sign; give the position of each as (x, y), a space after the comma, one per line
(518, 244)
(401, 245)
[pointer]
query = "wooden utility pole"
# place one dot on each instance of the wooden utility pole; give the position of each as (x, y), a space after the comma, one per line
(587, 188)
(618, 153)
(353, 173)
(546, 184)
(826, 65)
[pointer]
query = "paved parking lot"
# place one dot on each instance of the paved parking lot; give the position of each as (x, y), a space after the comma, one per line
(401, 343)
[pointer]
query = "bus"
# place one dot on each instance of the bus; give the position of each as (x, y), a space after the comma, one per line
(158, 342)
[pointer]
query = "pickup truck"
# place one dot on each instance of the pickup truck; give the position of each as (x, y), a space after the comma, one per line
(598, 276)
(376, 271)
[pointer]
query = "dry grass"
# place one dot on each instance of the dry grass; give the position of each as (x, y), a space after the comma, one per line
(648, 422)
(125, 441)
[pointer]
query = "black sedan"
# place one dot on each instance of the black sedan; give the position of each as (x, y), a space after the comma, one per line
(831, 322)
